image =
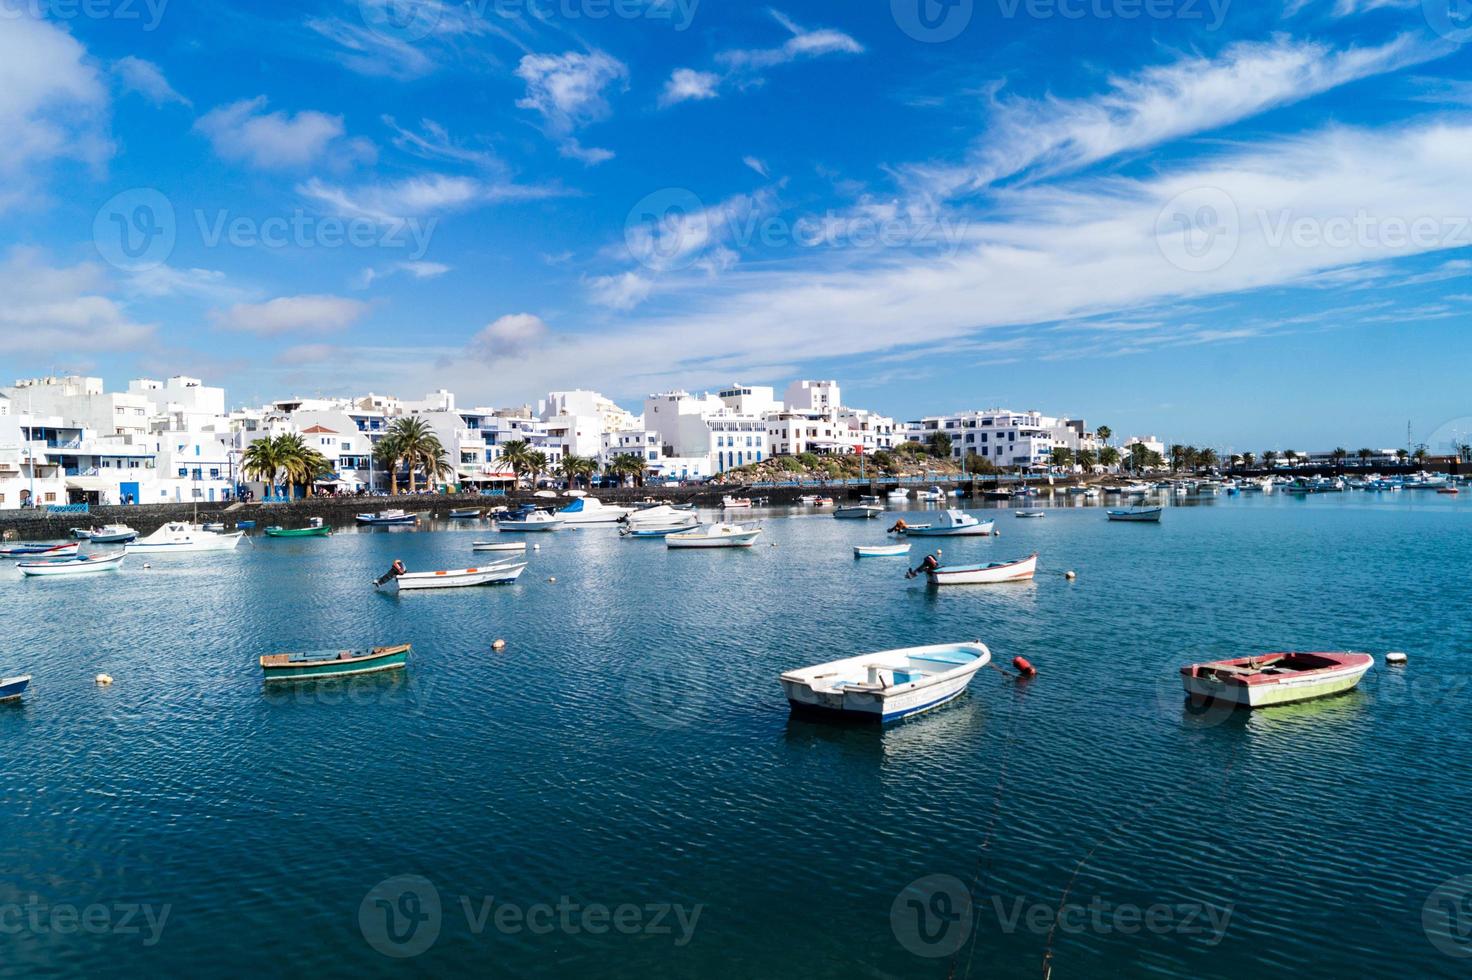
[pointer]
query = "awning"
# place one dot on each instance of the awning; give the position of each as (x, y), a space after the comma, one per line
(90, 484)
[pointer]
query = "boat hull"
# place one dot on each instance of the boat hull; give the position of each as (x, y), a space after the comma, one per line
(279, 667)
(1137, 517)
(213, 542)
(456, 579)
(72, 566)
(1266, 690)
(881, 551)
(13, 687)
(973, 530)
(858, 513)
(31, 552)
(811, 691)
(516, 546)
(727, 541)
(298, 532)
(528, 527)
(1013, 571)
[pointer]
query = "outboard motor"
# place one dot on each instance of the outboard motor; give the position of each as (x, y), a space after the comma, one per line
(928, 565)
(394, 571)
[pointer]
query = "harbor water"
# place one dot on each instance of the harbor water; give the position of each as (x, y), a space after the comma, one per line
(621, 792)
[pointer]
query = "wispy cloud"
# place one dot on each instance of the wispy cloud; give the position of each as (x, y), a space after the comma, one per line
(51, 308)
(147, 79)
(292, 315)
(568, 91)
(244, 132)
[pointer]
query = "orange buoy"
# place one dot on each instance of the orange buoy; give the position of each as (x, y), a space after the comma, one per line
(1023, 667)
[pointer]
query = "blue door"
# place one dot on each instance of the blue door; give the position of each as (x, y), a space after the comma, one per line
(129, 490)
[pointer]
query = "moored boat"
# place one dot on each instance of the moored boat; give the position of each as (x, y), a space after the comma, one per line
(858, 511)
(948, 524)
(721, 535)
(13, 687)
(660, 517)
(314, 529)
(113, 534)
(1032, 513)
(333, 663)
(464, 513)
(400, 578)
(591, 510)
(735, 503)
(993, 573)
(519, 546)
(1149, 515)
(40, 550)
(77, 565)
(1275, 678)
(388, 518)
(177, 536)
(886, 686)
(656, 530)
(934, 493)
(537, 521)
(881, 550)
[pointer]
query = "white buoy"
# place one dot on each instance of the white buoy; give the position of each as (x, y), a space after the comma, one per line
(1395, 657)
(1070, 575)
(104, 679)
(499, 645)
(147, 565)
(552, 579)
(536, 547)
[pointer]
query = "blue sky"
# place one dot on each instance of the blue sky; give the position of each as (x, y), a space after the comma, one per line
(1229, 223)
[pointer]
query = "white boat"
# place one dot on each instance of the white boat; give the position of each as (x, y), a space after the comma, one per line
(1142, 514)
(881, 550)
(39, 551)
(858, 511)
(388, 518)
(948, 524)
(898, 494)
(661, 517)
(716, 536)
(13, 687)
(808, 498)
(735, 503)
(518, 546)
(113, 534)
(658, 530)
(1275, 678)
(80, 565)
(537, 521)
(889, 685)
(1032, 513)
(459, 578)
(934, 493)
(868, 498)
(1020, 570)
(591, 510)
(177, 537)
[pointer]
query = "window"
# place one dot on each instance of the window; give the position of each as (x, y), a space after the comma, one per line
(183, 471)
(214, 472)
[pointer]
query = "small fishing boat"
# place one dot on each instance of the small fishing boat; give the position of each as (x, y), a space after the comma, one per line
(176, 537)
(868, 498)
(898, 493)
(808, 498)
(934, 493)
(113, 534)
(333, 663)
(82, 533)
(735, 503)
(881, 550)
(399, 578)
(316, 529)
(886, 686)
(858, 511)
(716, 536)
(1275, 678)
(1453, 491)
(997, 494)
(591, 510)
(245, 525)
(823, 502)
(1032, 513)
(388, 518)
(498, 546)
(13, 687)
(1020, 570)
(79, 565)
(465, 514)
(40, 550)
(537, 521)
(656, 531)
(661, 517)
(1139, 514)
(948, 524)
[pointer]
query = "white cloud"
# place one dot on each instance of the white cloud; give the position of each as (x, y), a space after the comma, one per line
(568, 91)
(243, 132)
(292, 314)
(622, 292)
(420, 198)
(53, 106)
(687, 84)
(756, 164)
(802, 44)
(45, 309)
(147, 79)
(434, 143)
(308, 354)
(511, 336)
(417, 270)
(1040, 138)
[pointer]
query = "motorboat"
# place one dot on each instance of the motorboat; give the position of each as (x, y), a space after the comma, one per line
(465, 514)
(735, 503)
(661, 517)
(720, 535)
(1149, 515)
(177, 537)
(656, 530)
(934, 493)
(948, 524)
(881, 550)
(886, 686)
(388, 518)
(1019, 570)
(808, 498)
(78, 565)
(536, 521)
(858, 511)
(13, 687)
(26, 551)
(406, 581)
(1275, 678)
(591, 510)
(898, 493)
(1032, 513)
(113, 534)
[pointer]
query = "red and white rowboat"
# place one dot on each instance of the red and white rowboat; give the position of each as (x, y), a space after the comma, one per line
(1275, 678)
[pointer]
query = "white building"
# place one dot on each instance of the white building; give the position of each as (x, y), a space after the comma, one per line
(1005, 438)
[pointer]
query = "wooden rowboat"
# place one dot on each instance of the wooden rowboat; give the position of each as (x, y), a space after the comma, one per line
(1275, 678)
(333, 663)
(881, 550)
(77, 565)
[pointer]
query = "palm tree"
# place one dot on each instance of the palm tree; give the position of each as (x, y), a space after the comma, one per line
(387, 453)
(1247, 460)
(292, 454)
(1400, 456)
(1365, 456)
(435, 460)
(1062, 458)
(1339, 455)
(1177, 456)
(1206, 458)
(1269, 457)
(575, 468)
(514, 454)
(260, 461)
(1086, 459)
(1104, 432)
(1291, 456)
(1141, 456)
(536, 464)
(417, 444)
(1108, 457)
(1420, 455)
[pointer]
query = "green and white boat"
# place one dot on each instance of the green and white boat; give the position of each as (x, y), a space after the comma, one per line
(315, 529)
(314, 664)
